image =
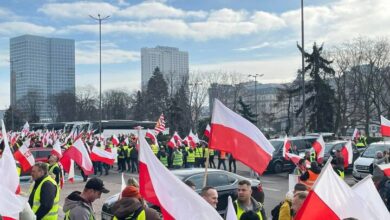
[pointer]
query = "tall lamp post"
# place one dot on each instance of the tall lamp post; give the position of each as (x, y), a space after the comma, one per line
(13, 78)
(100, 19)
(255, 76)
(303, 70)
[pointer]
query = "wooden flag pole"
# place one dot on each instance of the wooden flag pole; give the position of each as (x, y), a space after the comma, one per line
(206, 167)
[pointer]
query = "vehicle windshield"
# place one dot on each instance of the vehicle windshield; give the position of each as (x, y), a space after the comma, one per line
(328, 147)
(371, 150)
(277, 144)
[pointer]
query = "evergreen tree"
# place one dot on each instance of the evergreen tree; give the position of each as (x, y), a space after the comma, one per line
(320, 96)
(138, 108)
(156, 98)
(246, 112)
(179, 111)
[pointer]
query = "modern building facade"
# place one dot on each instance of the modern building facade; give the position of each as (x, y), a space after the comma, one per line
(40, 68)
(171, 62)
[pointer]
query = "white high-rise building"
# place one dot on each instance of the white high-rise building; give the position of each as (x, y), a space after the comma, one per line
(43, 67)
(171, 62)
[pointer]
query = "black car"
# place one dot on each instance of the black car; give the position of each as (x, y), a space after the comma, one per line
(298, 146)
(225, 183)
(331, 147)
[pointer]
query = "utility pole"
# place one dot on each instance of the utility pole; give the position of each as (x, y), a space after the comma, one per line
(13, 78)
(98, 18)
(255, 76)
(303, 70)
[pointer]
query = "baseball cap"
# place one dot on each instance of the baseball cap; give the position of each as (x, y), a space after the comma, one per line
(96, 184)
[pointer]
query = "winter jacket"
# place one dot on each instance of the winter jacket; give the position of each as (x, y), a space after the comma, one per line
(285, 210)
(126, 206)
(78, 207)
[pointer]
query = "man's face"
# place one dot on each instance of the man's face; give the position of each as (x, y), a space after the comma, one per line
(36, 173)
(244, 192)
(52, 159)
(296, 204)
(212, 197)
(94, 194)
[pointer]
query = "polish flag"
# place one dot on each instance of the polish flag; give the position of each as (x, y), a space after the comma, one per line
(115, 140)
(231, 212)
(356, 134)
(367, 191)
(8, 173)
(14, 138)
(26, 129)
(149, 134)
(234, 134)
(207, 132)
(62, 179)
(24, 156)
(57, 149)
(385, 168)
(347, 153)
(332, 199)
(10, 204)
(319, 148)
(286, 146)
(385, 127)
(71, 172)
(172, 143)
(193, 139)
(186, 141)
(179, 202)
(101, 155)
(296, 158)
(79, 153)
(177, 137)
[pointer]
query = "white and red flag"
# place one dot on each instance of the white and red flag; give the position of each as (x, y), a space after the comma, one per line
(160, 125)
(347, 153)
(385, 127)
(71, 172)
(385, 168)
(355, 135)
(10, 204)
(172, 143)
(319, 148)
(286, 146)
(26, 129)
(332, 199)
(115, 140)
(57, 149)
(236, 135)
(24, 156)
(79, 153)
(207, 131)
(367, 191)
(193, 139)
(178, 202)
(14, 138)
(177, 138)
(101, 155)
(149, 134)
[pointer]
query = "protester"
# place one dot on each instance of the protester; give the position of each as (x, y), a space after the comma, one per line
(45, 194)
(132, 182)
(377, 173)
(211, 158)
(245, 202)
(177, 158)
(297, 201)
(210, 194)
(134, 159)
(78, 205)
(232, 161)
(338, 163)
(310, 176)
(300, 168)
(250, 215)
(163, 156)
(285, 208)
(221, 159)
(54, 168)
(131, 206)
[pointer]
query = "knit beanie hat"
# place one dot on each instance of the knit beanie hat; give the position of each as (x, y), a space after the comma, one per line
(131, 191)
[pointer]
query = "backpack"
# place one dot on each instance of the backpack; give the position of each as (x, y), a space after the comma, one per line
(384, 192)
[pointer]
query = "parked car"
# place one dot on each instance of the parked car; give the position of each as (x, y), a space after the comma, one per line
(331, 147)
(40, 155)
(298, 146)
(361, 167)
(225, 183)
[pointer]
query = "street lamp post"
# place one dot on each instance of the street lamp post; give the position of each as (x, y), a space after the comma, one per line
(255, 76)
(13, 78)
(303, 70)
(98, 18)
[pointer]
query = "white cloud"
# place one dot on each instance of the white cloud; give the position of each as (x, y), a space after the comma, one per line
(123, 3)
(15, 28)
(109, 56)
(77, 9)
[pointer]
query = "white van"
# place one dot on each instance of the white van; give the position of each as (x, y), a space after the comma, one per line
(361, 167)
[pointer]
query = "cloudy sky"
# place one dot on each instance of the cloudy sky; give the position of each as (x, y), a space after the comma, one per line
(247, 36)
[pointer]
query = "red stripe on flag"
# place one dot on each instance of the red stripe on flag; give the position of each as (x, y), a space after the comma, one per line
(248, 152)
(385, 131)
(95, 157)
(315, 208)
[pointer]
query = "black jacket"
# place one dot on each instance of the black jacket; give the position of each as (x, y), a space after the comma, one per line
(48, 193)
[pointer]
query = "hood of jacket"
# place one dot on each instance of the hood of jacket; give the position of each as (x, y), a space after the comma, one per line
(73, 200)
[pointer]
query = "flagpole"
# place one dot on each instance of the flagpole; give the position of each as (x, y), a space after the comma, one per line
(206, 168)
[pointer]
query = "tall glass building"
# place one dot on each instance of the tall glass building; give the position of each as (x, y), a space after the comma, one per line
(40, 68)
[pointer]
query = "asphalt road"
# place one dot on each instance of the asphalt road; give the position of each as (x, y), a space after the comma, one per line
(275, 187)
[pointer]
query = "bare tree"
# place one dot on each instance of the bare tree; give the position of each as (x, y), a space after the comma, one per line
(64, 105)
(29, 105)
(87, 103)
(116, 104)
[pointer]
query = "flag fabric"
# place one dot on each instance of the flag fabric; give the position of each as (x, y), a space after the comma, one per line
(347, 153)
(14, 138)
(26, 129)
(293, 157)
(98, 154)
(57, 149)
(207, 131)
(385, 127)
(356, 134)
(178, 202)
(332, 199)
(71, 172)
(62, 176)
(385, 168)
(230, 213)
(149, 134)
(193, 139)
(172, 143)
(115, 140)
(177, 138)
(286, 146)
(10, 204)
(160, 125)
(123, 184)
(319, 148)
(77, 152)
(24, 156)
(232, 133)
(367, 191)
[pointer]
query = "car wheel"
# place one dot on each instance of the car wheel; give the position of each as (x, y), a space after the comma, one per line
(278, 167)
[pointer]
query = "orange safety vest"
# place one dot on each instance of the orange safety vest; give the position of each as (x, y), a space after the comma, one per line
(312, 179)
(223, 155)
